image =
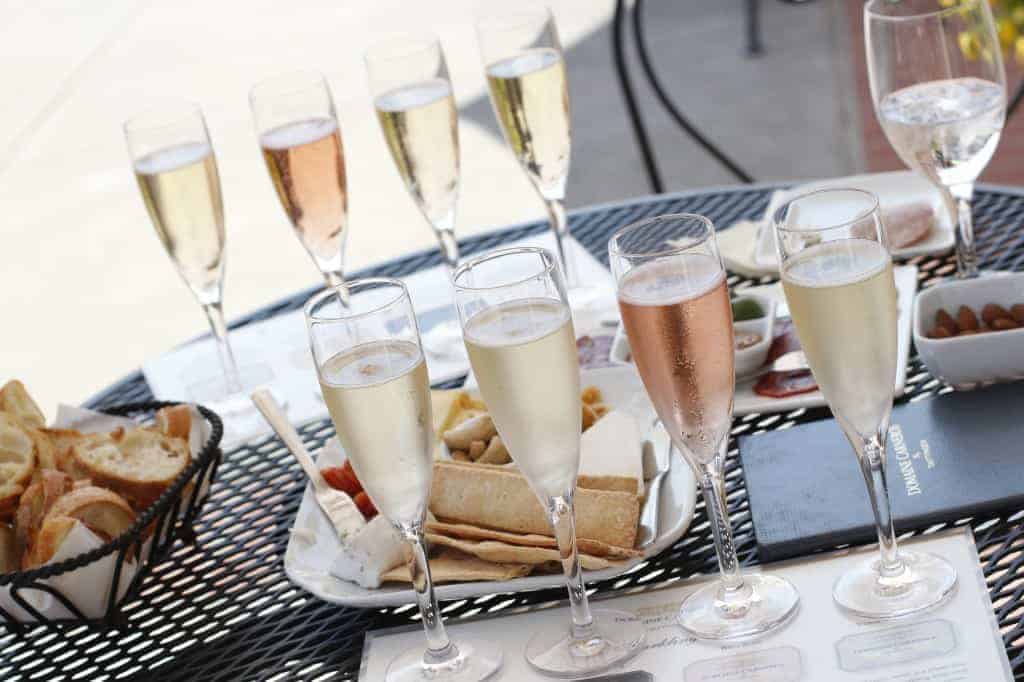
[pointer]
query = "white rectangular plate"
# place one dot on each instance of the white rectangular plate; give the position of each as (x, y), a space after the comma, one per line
(313, 545)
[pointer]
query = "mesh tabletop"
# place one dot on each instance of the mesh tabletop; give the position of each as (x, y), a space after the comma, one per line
(223, 609)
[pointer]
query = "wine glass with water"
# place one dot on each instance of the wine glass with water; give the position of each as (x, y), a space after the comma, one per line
(177, 175)
(301, 144)
(412, 95)
(521, 344)
(529, 90)
(374, 382)
(675, 308)
(838, 278)
(939, 90)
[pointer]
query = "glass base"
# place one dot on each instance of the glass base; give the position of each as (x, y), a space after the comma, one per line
(928, 581)
(619, 637)
(477, 660)
(213, 390)
(444, 340)
(771, 602)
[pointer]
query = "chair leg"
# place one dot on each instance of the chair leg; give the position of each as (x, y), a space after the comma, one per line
(753, 12)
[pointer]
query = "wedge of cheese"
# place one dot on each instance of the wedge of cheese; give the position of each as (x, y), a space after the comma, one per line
(373, 551)
(610, 455)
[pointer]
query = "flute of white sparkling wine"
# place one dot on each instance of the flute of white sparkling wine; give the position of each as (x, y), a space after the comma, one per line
(420, 126)
(842, 297)
(378, 396)
(307, 167)
(524, 356)
(676, 312)
(181, 189)
(531, 100)
(946, 129)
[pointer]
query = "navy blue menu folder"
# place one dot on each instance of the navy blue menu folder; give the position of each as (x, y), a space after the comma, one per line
(956, 455)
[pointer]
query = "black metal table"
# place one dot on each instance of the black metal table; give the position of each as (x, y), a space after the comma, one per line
(223, 609)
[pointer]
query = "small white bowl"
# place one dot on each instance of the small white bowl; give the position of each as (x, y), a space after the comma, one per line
(748, 360)
(966, 361)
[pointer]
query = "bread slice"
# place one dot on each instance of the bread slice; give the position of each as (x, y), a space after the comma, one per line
(14, 399)
(139, 464)
(62, 440)
(36, 502)
(175, 422)
(10, 558)
(102, 511)
(49, 538)
(17, 462)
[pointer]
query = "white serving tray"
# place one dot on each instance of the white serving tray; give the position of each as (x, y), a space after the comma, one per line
(313, 545)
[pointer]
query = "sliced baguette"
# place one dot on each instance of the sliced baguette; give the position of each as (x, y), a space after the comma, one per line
(102, 511)
(17, 462)
(49, 538)
(175, 422)
(139, 464)
(14, 399)
(63, 440)
(35, 504)
(10, 558)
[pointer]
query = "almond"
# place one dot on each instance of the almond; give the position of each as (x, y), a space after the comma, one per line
(1017, 311)
(944, 319)
(966, 319)
(939, 333)
(1003, 323)
(969, 332)
(992, 312)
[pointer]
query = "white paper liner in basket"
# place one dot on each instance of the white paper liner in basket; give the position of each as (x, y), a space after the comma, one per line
(88, 587)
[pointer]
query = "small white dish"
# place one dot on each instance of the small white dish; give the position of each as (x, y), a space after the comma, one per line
(748, 361)
(966, 361)
(313, 545)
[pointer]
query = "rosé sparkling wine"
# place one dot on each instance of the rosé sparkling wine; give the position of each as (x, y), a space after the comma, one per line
(680, 332)
(308, 171)
(378, 396)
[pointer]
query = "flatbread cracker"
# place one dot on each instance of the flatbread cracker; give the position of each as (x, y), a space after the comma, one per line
(503, 553)
(469, 532)
(451, 566)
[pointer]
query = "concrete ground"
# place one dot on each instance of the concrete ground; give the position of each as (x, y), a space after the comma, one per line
(88, 293)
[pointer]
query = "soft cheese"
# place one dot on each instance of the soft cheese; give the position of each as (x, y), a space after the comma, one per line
(610, 455)
(373, 551)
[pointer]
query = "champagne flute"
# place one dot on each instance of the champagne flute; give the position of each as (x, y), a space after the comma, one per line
(374, 382)
(412, 95)
(939, 89)
(521, 344)
(675, 308)
(525, 69)
(837, 275)
(176, 171)
(301, 144)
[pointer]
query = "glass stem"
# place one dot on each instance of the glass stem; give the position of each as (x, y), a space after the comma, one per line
(872, 465)
(335, 279)
(960, 209)
(563, 520)
(440, 649)
(734, 596)
(215, 314)
(560, 226)
(449, 248)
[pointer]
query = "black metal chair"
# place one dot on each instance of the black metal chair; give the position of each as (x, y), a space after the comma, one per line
(754, 47)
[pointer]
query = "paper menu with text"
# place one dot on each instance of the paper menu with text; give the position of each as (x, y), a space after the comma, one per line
(957, 642)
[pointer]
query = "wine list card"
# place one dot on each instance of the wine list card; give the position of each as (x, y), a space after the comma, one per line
(956, 642)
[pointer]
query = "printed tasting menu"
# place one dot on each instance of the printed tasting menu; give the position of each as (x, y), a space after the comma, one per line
(957, 642)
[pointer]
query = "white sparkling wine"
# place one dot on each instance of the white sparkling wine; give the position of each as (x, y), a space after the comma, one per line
(946, 129)
(420, 126)
(531, 100)
(181, 188)
(378, 395)
(524, 356)
(842, 297)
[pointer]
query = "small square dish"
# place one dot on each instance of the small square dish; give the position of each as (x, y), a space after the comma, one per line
(981, 341)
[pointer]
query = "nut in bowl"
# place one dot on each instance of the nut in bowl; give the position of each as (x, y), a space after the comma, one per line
(971, 332)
